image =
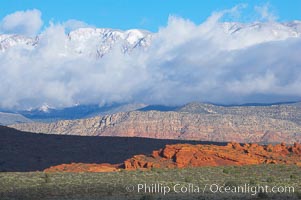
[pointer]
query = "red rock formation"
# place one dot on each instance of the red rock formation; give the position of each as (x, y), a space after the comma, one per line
(187, 155)
(83, 167)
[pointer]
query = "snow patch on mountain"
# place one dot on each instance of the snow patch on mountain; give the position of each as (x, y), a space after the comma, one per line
(86, 41)
(99, 41)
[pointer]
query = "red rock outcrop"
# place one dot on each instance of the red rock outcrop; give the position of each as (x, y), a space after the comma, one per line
(188, 155)
(83, 167)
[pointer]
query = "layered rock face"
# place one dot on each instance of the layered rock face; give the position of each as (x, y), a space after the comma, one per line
(187, 155)
(244, 124)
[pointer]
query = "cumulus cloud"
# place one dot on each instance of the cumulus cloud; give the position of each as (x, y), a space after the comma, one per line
(221, 62)
(22, 22)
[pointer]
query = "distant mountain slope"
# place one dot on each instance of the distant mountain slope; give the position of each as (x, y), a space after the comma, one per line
(290, 112)
(159, 108)
(21, 151)
(11, 118)
(195, 121)
(47, 114)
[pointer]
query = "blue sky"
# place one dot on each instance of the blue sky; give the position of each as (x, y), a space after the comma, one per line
(147, 14)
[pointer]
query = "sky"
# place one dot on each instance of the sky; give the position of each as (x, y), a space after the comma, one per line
(146, 14)
(227, 52)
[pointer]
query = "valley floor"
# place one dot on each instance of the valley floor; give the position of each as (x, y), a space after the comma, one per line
(187, 183)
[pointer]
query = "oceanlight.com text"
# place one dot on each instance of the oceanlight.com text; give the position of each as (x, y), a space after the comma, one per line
(189, 188)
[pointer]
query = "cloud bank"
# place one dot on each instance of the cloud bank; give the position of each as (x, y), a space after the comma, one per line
(221, 62)
(26, 23)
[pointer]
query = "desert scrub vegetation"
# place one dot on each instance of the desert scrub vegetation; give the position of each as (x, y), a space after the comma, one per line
(112, 185)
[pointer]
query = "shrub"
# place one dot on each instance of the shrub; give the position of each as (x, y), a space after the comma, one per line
(226, 171)
(46, 178)
(270, 179)
(188, 179)
(157, 170)
(252, 182)
(293, 176)
(231, 183)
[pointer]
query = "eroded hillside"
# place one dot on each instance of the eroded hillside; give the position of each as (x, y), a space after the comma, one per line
(267, 124)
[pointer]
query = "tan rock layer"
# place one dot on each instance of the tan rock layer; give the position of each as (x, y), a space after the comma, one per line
(177, 125)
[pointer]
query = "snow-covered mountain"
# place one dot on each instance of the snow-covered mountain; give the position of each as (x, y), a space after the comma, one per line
(275, 29)
(104, 40)
(99, 41)
(259, 32)
(86, 41)
(49, 114)
(8, 41)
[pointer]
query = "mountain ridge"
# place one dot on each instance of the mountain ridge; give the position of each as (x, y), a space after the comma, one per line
(196, 121)
(97, 42)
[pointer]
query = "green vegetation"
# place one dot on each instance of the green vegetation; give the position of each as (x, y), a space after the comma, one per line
(84, 186)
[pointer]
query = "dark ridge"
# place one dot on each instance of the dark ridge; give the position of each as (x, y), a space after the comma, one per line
(159, 108)
(22, 151)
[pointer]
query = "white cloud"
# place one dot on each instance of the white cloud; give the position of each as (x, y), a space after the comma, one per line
(73, 24)
(265, 12)
(27, 22)
(213, 61)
